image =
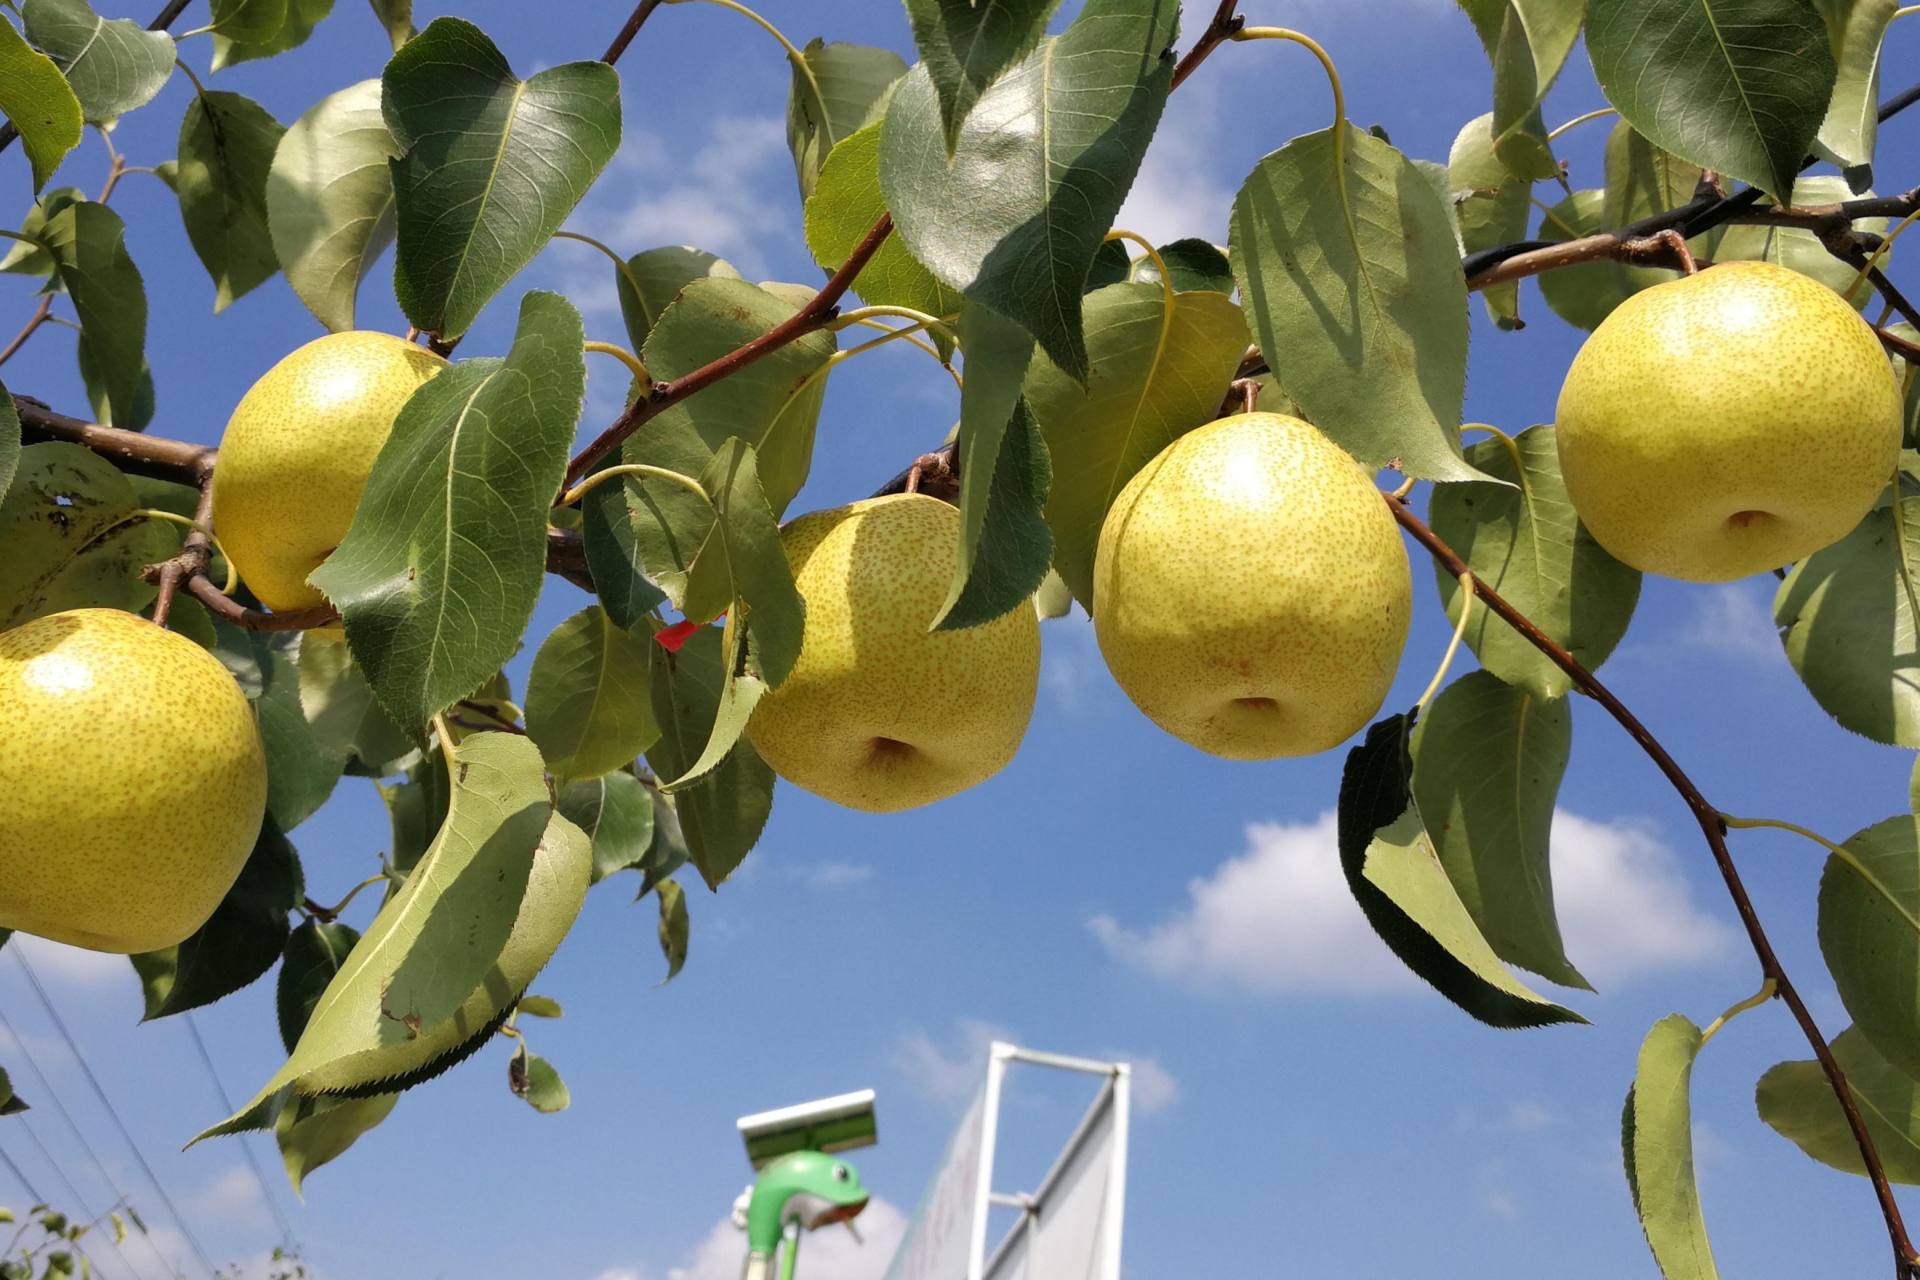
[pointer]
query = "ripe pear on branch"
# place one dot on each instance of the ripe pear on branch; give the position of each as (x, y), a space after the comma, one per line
(297, 453)
(879, 712)
(132, 781)
(1728, 423)
(1251, 593)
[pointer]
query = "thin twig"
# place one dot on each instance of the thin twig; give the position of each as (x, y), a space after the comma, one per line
(1216, 33)
(1713, 828)
(224, 606)
(819, 310)
(192, 560)
(38, 318)
(635, 20)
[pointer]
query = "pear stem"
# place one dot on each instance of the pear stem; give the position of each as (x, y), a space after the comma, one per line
(1713, 827)
(1453, 645)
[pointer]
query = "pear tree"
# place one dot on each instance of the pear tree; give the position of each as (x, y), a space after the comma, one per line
(1229, 456)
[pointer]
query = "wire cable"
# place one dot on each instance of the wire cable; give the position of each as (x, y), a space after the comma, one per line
(253, 1161)
(60, 1108)
(79, 1201)
(93, 1082)
(21, 1177)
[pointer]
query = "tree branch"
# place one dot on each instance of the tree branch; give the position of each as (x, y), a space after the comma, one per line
(635, 20)
(192, 560)
(142, 454)
(1714, 829)
(820, 309)
(1218, 32)
(161, 21)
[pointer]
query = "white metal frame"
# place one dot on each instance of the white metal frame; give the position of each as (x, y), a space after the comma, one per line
(1115, 1095)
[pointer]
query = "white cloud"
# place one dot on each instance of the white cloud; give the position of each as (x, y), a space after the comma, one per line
(834, 873)
(948, 1073)
(1733, 620)
(831, 1251)
(1069, 659)
(1499, 1204)
(1279, 917)
(622, 1273)
(1179, 191)
(231, 1196)
(1154, 1087)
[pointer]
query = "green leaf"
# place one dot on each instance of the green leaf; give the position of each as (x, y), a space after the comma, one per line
(11, 1104)
(1191, 264)
(845, 203)
(314, 953)
(837, 89)
(1401, 886)
(968, 44)
(313, 1131)
(248, 20)
(1111, 265)
(1154, 375)
(539, 1007)
(24, 259)
(1586, 293)
(301, 771)
(1362, 299)
(88, 244)
(722, 814)
(245, 934)
(9, 440)
(998, 352)
(617, 810)
(439, 572)
(1487, 764)
(741, 689)
(675, 928)
(589, 699)
(1736, 86)
(1490, 207)
(1851, 126)
(39, 102)
(1016, 216)
(1849, 616)
(1523, 539)
(614, 519)
(743, 568)
(295, 25)
(1642, 179)
(1527, 41)
(71, 536)
(651, 529)
(452, 950)
(1870, 936)
(533, 1078)
(114, 66)
(492, 165)
(330, 200)
(650, 281)
(416, 809)
(1656, 1140)
(93, 379)
(397, 17)
(346, 720)
(1796, 1100)
(1799, 250)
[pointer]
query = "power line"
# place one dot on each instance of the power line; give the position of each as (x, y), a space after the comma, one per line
(40, 1199)
(52, 1095)
(24, 1181)
(93, 1081)
(253, 1161)
(79, 1201)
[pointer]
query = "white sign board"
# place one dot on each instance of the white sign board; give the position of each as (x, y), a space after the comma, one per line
(940, 1238)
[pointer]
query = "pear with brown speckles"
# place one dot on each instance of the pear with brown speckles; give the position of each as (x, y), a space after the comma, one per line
(1250, 591)
(1727, 423)
(880, 713)
(132, 781)
(298, 451)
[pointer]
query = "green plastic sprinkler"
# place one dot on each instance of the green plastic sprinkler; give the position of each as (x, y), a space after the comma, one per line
(803, 1191)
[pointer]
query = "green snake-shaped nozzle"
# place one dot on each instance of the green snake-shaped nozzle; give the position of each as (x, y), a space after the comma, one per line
(807, 1187)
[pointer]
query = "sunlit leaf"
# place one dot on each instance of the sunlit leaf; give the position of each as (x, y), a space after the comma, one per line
(1801, 250)
(447, 552)
(71, 536)
(1851, 126)
(845, 203)
(837, 88)
(589, 699)
(491, 165)
(533, 1078)
(113, 65)
(37, 100)
(1490, 207)
(1015, 217)
(1527, 41)
(1870, 936)
(1736, 86)
(330, 200)
(675, 928)
(968, 44)
(314, 1131)
(1656, 1140)
(1797, 1100)
(650, 281)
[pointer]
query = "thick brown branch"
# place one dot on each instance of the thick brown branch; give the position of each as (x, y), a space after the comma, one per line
(161, 21)
(1218, 32)
(224, 606)
(1711, 826)
(818, 312)
(134, 451)
(635, 20)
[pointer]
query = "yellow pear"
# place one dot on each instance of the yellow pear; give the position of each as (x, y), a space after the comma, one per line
(297, 453)
(880, 713)
(1250, 591)
(1727, 423)
(132, 781)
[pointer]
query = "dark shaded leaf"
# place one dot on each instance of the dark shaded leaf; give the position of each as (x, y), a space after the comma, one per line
(314, 953)
(589, 699)
(1191, 264)
(245, 934)
(71, 536)
(720, 815)
(997, 353)
(88, 244)
(313, 1131)
(617, 810)
(650, 281)
(837, 88)
(295, 25)
(1870, 936)
(968, 44)
(1796, 1100)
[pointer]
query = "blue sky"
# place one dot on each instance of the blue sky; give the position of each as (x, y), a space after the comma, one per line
(1307, 1110)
